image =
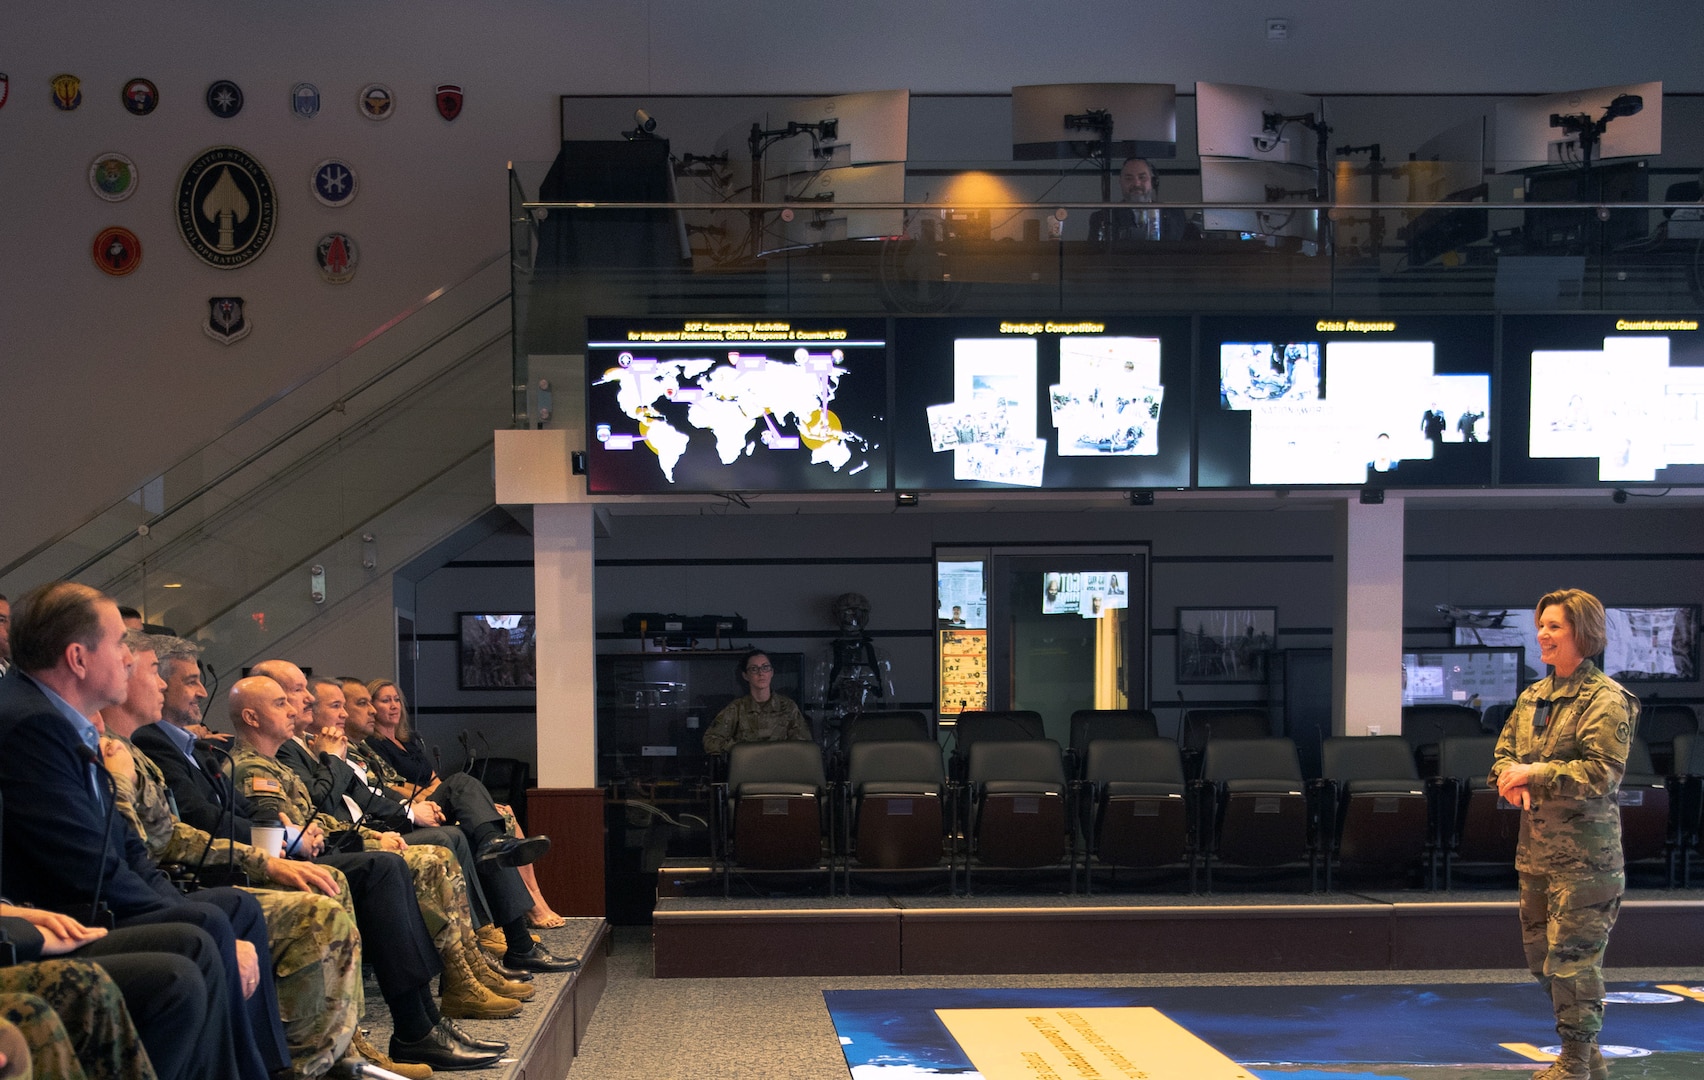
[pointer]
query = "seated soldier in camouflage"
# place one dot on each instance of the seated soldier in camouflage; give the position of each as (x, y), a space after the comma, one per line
(760, 716)
(94, 1039)
(263, 718)
(316, 948)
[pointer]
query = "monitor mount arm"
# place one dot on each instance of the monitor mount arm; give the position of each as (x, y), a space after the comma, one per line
(1098, 121)
(759, 141)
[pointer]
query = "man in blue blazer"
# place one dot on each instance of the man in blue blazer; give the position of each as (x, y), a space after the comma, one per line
(66, 850)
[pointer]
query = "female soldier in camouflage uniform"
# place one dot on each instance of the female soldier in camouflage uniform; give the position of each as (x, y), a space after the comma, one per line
(1561, 758)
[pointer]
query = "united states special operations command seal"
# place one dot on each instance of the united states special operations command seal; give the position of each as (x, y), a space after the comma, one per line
(226, 208)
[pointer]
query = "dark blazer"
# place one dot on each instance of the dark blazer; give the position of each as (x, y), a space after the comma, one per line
(1120, 224)
(316, 776)
(61, 842)
(374, 803)
(204, 796)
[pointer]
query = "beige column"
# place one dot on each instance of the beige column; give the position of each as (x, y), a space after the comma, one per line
(562, 586)
(1367, 638)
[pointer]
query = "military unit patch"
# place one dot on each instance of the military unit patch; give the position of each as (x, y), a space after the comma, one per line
(141, 97)
(449, 101)
(117, 251)
(227, 210)
(337, 255)
(305, 100)
(334, 182)
(377, 101)
(67, 92)
(113, 176)
(226, 322)
(225, 99)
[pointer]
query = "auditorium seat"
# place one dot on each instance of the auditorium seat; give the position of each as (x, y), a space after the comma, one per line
(1425, 726)
(773, 808)
(977, 725)
(1374, 805)
(1016, 805)
(1134, 807)
(895, 817)
(1087, 725)
(1254, 809)
(1645, 818)
(1475, 826)
(1658, 726)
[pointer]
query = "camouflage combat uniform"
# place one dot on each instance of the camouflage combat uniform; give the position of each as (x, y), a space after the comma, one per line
(746, 720)
(1569, 856)
(316, 947)
(74, 1020)
(272, 788)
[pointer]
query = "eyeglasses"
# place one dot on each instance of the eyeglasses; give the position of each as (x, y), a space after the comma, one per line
(759, 669)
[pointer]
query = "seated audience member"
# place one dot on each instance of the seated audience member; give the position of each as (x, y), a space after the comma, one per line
(193, 764)
(316, 949)
(1139, 185)
(264, 718)
(141, 1002)
(760, 716)
(306, 762)
(461, 800)
(391, 740)
(66, 848)
(5, 635)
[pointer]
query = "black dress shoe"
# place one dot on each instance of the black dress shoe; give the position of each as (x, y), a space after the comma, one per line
(463, 1036)
(513, 851)
(441, 1050)
(512, 974)
(539, 958)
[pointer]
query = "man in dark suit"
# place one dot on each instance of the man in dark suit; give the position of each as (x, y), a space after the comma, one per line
(194, 768)
(1138, 184)
(67, 851)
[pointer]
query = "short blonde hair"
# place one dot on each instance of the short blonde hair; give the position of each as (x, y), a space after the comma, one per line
(1584, 613)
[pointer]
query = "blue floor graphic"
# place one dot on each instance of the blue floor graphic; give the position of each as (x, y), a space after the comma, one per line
(1298, 1031)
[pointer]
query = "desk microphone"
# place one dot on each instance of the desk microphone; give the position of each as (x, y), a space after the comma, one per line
(230, 814)
(98, 915)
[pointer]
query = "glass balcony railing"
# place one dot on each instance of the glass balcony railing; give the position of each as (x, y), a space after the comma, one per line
(989, 253)
(401, 409)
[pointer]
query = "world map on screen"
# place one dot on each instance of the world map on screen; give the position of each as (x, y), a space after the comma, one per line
(770, 401)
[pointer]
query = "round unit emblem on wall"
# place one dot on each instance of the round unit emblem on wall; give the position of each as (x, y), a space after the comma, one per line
(377, 101)
(337, 255)
(226, 208)
(117, 251)
(334, 182)
(113, 176)
(67, 92)
(305, 100)
(225, 98)
(141, 97)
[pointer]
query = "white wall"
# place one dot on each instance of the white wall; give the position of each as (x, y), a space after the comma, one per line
(124, 362)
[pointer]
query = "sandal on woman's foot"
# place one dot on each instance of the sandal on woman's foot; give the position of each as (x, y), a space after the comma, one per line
(549, 922)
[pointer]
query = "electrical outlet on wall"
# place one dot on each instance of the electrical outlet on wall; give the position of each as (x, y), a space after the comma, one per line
(1372, 729)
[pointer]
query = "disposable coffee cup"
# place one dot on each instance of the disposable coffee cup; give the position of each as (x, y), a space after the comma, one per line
(268, 838)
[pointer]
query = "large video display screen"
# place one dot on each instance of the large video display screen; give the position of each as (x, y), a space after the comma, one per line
(1602, 399)
(736, 404)
(1030, 403)
(1391, 402)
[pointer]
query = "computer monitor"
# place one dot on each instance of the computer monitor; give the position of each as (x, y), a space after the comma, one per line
(1233, 181)
(1475, 677)
(824, 194)
(1397, 402)
(1054, 120)
(996, 403)
(1525, 138)
(1652, 644)
(1602, 399)
(736, 404)
(869, 128)
(1234, 121)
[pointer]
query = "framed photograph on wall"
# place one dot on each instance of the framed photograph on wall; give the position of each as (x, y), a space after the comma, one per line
(1225, 644)
(496, 651)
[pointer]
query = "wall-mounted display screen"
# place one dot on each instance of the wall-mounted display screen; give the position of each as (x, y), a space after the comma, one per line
(1599, 398)
(1474, 677)
(1396, 402)
(986, 402)
(496, 651)
(1647, 644)
(736, 404)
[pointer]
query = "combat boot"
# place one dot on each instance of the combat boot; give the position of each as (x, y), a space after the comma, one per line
(491, 980)
(1573, 1063)
(462, 996)
(361, 1048)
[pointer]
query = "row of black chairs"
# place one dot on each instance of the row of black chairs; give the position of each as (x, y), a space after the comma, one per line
(1017, 805)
